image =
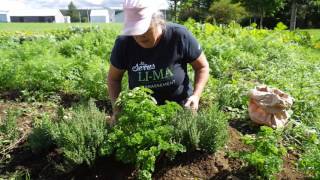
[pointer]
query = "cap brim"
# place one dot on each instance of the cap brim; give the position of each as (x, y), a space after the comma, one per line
(134, 28)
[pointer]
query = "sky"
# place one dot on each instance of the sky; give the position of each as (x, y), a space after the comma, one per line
(56, 4)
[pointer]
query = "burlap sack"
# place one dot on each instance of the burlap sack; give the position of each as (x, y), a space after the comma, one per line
(269, 106)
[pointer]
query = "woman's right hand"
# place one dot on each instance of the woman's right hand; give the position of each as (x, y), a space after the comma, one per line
(112, 121)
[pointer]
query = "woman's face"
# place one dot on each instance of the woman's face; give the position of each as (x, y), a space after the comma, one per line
(150, 38)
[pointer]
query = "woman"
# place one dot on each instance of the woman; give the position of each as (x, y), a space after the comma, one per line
(156, 55)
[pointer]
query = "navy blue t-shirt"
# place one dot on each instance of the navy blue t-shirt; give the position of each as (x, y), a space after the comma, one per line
(162, 68)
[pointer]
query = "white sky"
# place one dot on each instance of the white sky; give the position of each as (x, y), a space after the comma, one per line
(56, 4)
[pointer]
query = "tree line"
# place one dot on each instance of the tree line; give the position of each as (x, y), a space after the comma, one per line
(262, 12)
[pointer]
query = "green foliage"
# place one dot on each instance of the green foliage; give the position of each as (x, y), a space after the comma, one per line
(241, 58)
(309, 161)
(266, 154)
(70, 61)
(8, 126)
(40, 139)
(205, 131)
(75, 61)
(262, 8)
(142, 132)
(16, 175)
(77, 133)
(305, 140)
(280, 26)
(196, 9)
(9, 134)
(224, 12)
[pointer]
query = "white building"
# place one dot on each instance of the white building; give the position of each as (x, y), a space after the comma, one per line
(4, 17)
(67, 19)
(116, 13)
(100, 16)
(37, 15)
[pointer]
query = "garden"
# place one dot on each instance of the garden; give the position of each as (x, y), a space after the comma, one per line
(54, 109)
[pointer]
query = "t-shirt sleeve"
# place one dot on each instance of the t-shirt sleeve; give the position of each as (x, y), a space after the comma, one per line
(117, 58)
(191, 47)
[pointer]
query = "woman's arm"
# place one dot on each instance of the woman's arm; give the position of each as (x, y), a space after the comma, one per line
(114, 83)
(201, 68)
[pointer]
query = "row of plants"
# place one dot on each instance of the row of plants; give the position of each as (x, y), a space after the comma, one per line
(143, 133)
(71, 61)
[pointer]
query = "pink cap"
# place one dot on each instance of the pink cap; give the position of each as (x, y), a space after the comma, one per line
(137, 16)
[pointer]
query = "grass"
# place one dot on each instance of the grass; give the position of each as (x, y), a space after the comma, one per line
(40, 27)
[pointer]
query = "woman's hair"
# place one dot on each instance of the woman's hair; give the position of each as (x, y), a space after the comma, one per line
(158, 20)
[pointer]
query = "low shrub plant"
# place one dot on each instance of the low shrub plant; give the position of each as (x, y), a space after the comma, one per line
(207, 130)
(77, 133)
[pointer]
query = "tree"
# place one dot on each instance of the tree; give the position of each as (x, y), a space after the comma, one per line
(174, 6)
(73, 12)
(224, 12)
(262, 8)
(294, 9)
(196, 9)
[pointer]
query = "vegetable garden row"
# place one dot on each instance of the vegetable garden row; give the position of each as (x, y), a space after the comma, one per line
(54, 104)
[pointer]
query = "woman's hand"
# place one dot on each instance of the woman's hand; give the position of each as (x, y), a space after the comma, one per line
(112, 120)
(192, 103)
(114, 117)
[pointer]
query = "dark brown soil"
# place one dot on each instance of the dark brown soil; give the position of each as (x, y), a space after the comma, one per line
(199, 165)
(195, 165)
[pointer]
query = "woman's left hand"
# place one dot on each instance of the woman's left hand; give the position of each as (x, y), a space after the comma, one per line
(192, 103)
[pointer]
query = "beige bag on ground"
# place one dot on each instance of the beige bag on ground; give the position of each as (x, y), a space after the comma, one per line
(269, 106)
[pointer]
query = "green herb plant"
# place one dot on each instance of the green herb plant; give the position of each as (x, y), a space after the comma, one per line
(266, 153)
(207, 130)
(142, 132)
(77, 133)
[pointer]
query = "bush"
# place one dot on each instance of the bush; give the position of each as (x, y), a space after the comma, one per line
(78, 133)
(207, 130)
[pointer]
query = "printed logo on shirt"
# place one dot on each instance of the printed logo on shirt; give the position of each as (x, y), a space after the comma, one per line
(152, 77)
(155, 75)
(143, 67)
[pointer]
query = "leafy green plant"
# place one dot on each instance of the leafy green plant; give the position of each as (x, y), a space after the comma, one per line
(306, 141)
(266, 154)
(309, 161)
(143, 131)
(205, 131)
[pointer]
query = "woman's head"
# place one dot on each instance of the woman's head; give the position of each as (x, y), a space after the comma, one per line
(143, 21)
(152, 36)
